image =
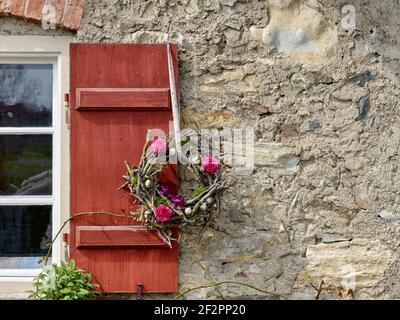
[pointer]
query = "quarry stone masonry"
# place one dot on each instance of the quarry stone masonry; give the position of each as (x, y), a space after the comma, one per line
(322, 202)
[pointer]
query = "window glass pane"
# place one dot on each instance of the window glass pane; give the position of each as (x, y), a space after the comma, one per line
(25, 165)
(25, 232)
(26, 95)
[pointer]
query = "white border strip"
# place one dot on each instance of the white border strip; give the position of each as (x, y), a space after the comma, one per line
(174, 101)
(26, 201)
(25, 130)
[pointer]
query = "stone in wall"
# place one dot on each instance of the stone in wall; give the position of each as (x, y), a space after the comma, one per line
(355, 264)
(143, 36)
(298, 28)
(192, 118)
(236, 81)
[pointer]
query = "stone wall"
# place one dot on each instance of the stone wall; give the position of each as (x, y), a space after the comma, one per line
(323, 200)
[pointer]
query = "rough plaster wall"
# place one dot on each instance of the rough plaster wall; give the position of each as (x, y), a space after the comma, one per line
(323, 202)
(14, 26)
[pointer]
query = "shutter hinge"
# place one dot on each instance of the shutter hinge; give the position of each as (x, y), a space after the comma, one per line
(66, 108)
(139, 288)
(66, 246)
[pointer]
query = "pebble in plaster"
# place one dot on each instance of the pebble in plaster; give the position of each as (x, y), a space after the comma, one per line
(388, 216)
(363, 109)
(280, 3)
(143, 36)
(362, 198)
(192, 7)
(314, 124)
(229, 3)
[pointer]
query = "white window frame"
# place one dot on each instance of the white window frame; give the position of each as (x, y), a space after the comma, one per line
(55, 131)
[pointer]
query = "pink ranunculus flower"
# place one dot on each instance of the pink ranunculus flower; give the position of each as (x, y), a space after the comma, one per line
(163, 213)
(210, 164)
(158, 145)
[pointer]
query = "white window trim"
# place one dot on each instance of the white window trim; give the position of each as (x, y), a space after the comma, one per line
(55, 131)
(25, 130)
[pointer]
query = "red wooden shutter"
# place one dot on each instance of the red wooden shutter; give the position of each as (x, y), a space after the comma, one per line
(118, 91)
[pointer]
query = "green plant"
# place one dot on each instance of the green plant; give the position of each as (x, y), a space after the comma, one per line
(63, 282)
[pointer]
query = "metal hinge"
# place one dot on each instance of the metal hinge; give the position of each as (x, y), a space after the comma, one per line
(66, 108)
(139, 288)
(66, 246)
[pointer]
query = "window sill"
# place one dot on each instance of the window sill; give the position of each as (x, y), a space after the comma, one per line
(18, 274)
(15, 288)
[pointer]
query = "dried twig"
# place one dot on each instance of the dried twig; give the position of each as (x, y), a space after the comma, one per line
(269, 293)
(319, 289)
(342, 293)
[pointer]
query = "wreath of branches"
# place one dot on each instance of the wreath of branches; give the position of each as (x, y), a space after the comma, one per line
(161, 207)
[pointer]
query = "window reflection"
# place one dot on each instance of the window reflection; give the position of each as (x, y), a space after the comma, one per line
(25, 232)
(25, 165)
(26, 95)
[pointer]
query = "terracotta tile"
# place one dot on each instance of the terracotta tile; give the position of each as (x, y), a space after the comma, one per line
(33, 9)
(12, 7)
(73, 14)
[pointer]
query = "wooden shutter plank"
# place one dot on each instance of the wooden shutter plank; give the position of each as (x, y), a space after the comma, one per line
(117, 236)
(123, 99)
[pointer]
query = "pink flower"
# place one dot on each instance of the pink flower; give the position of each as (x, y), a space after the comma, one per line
(158, 145)
(210, 164)
(163, 213)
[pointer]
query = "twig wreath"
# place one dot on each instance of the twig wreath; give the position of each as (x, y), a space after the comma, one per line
(162, 207)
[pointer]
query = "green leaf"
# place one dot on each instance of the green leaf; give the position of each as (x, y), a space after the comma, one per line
(198, 191)
(84, 291)
(66, 291)
(128, 168)
(134, 180)
(72, 263)
(161, 200)
(185, 140)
